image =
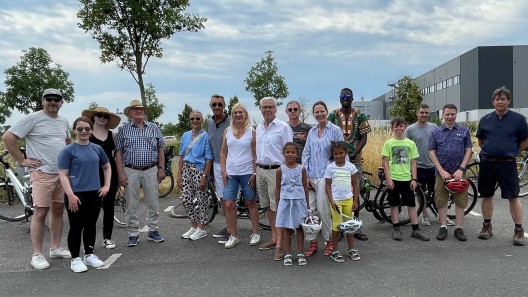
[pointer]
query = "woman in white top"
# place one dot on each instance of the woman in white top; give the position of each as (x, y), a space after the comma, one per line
(237, 161)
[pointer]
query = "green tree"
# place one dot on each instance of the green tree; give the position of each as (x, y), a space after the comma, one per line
(408, 98)
(264, 80)
(26, 81)
(184, 123)
(169, 130)
(129, 32)
(155, 108)
(232, 101)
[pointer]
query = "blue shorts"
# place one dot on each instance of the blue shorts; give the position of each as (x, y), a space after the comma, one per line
(234, 182)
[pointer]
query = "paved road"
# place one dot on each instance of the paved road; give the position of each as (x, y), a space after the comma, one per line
(180, 267)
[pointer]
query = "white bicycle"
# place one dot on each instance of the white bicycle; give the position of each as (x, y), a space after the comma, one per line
(16, 200)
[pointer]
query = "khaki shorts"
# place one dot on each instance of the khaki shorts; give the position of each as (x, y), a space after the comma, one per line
(266, 182)
(47, 189)
(441, 195)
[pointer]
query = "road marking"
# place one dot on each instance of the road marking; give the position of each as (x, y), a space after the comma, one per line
(144, 229)
(525, 234)
(475, 214)
(169, 208)
(110, 261)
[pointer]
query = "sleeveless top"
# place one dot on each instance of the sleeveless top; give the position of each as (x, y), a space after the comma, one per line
(109, 147)
(239, 159)
(291, 183)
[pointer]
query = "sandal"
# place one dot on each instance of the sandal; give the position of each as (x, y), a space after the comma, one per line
(312, 249)
(361, 236)
(354, 255)
(287, 260)
(336, 256)
(329, 248)
(301, 260)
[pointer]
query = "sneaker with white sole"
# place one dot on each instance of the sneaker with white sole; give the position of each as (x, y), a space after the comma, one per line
(108, 244)
(231, 242)
(449, 222)
(59, 252)
(77, 265)
(254, 239)
(188, 234)
(39, 262)
(425, 221)
(199, 233)
(92, 260)
(221, 233)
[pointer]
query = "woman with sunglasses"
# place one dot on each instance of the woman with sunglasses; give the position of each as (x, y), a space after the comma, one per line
(104, 120)
(79, 164)
(196, 159)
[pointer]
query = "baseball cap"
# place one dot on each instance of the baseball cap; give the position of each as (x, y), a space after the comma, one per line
(48, 92)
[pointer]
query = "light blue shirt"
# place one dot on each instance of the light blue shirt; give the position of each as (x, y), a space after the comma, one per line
(316, 154)
(200, 151)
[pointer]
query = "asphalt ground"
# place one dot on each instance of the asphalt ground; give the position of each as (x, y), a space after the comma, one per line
(179, 267)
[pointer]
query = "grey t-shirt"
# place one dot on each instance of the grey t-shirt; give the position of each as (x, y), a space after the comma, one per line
(420, 135)
(216, 134)
(45, 138)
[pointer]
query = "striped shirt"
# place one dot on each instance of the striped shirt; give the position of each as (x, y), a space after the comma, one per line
(316, 154)
(139, 146)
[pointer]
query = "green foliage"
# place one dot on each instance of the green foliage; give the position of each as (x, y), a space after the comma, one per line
(408, 98)
(26, 81)
(472, 127)
(155, 108)
(169, 130)
(129, 32)
(232, 101)
(264, 80)
(184, 123)
(93, 105)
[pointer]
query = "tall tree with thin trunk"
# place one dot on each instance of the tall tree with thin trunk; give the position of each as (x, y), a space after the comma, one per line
(408, 98)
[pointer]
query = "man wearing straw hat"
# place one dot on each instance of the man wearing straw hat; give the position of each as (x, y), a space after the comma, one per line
(140, 164)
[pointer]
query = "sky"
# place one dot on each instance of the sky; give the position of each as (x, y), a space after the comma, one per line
(320, 47)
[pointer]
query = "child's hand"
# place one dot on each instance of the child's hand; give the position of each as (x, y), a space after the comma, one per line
(390, 184)
(334, 206)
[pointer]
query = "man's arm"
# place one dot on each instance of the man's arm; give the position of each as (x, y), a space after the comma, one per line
(11, 144)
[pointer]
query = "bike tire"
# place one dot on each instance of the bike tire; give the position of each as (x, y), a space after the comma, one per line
(472, 172)
(178, 210)
(385, 212)
(120, 209)
(11, 208)
(167, 184)
(523, 178)
(472, 201)
(213, 202)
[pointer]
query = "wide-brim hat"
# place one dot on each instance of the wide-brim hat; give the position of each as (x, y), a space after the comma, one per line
(134, 103)
(112, 122)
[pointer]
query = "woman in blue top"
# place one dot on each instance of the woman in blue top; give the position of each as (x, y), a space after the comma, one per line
(79, 164)
(196, 157)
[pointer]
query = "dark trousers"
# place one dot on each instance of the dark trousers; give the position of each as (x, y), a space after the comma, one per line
(82, 222)
(108, 212)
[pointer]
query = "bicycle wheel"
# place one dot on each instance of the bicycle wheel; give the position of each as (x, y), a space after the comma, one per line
(120, 215)
(213, 202)
(11, 208)
(264, 223)
(385, 209)
(472, 201)
(178, 210)
(523, 179)
(472, 172)
(167, 184)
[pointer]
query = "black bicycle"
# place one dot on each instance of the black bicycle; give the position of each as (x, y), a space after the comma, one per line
(451, 208)
(167, 184)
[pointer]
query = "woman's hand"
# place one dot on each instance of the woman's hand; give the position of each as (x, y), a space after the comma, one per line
(203, 183)
(225, 176)
(73, 203)
(103, 191)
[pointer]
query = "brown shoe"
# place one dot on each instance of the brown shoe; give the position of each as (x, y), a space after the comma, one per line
(312, 249)
(267, 246)
(279, 254)
(329, 249)
(486, 231)
(518, 237)
(361, 236)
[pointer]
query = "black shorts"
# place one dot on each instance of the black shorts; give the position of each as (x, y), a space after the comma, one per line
(401, 189)
(426, 177)
(504, 173)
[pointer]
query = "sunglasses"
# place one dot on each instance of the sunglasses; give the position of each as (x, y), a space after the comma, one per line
(85, 129)
(215, 104)
(56, 100)
(195, 119)
(343, 96)
(293, 109)
(102, 115)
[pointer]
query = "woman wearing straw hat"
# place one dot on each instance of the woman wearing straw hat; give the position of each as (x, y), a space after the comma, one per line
(104, 120)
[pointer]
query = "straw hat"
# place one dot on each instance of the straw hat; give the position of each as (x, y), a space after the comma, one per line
(134, 103)
(112, 122)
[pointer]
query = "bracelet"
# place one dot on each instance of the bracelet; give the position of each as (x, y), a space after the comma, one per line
(462, 168)
(159, 167)
(414, 179)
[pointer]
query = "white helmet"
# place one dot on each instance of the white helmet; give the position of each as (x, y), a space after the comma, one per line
(311, 226)
(351, 226)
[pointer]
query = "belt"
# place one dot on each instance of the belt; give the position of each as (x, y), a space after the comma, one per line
(273, 166)
(497, 160)
(140, 168)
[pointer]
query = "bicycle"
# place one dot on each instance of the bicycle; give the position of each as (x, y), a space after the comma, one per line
(120, 215)
(451, 208)
(17, 202)
(167, 184)
(379, 205)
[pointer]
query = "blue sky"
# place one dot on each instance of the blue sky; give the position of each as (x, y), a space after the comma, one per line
(319, 46)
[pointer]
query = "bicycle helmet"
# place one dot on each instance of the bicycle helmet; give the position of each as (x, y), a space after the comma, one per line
(311, 226)
(351, 226)
(456, 186)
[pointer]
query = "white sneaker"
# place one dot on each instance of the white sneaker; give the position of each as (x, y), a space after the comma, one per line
(425, 221)
(231, 242)
(449, 222)
(59, 252)
(92, 260)
(77, 265)
(188, 234)
(199, 233)
(39, 262)
(108, 244)
(254, 239)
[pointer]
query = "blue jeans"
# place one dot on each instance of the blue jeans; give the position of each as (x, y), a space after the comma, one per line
(234, 182)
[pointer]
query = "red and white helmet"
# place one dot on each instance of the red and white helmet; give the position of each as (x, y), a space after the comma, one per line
(311, 226)
(456, 186)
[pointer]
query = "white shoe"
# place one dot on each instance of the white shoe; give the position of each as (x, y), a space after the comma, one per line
(199, 233)
(59, 252)
(231, 242)
(39, 262)
(188, 234)
(449, 222)
(108, 244)
(425, 221)
(254, 239)
(77, 265)
(92, 260)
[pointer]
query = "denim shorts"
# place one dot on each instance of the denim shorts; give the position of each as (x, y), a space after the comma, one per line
(234, 182)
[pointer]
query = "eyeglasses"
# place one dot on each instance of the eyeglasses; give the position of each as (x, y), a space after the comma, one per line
(219, 104)
(268, 107)
(195, 119)
(56, 100)
(102, 115)
(85, 129)
(293, 109)
(343, 96)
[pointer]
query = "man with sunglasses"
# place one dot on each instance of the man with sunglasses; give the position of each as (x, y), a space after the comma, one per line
(46, 133)
(355, 127)
(215, 127)
(299, 128)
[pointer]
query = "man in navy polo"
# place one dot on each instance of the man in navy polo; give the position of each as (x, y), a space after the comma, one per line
(501, 134)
